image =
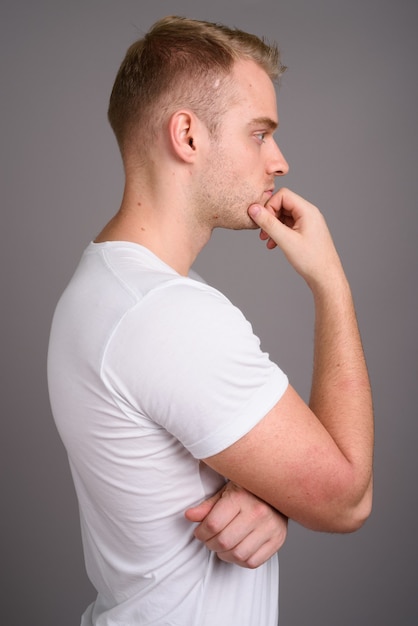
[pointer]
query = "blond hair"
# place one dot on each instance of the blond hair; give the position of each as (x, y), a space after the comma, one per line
(181, 63)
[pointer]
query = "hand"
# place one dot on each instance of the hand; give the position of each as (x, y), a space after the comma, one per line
(239, 527)
(299, 229)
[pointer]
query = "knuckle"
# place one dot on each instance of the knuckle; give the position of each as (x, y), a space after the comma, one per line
(261, 510)
(252, 562)
(223, 543)
(212, 526)
(226, 557)
(239, 556)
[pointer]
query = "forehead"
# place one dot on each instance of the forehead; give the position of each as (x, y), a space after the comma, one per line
(255, 93)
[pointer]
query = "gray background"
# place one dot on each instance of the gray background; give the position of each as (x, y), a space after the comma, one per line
(348, 109)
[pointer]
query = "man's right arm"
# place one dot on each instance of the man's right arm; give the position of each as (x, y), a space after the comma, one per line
(313, 463)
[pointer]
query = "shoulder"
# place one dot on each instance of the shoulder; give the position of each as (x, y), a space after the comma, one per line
(188, 311)
(189, 360)
(187, 332)
(184, 328)
(167, 296)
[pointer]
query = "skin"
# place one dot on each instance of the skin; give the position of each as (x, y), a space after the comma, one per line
(239, 527)
(314, 463)
(188, 184)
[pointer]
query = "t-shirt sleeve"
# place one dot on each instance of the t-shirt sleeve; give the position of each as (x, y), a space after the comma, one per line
(188, 360)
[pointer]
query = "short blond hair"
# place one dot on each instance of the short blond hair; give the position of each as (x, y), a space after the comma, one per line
(181, 63)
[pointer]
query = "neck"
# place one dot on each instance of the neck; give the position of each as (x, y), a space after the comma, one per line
(160, 222)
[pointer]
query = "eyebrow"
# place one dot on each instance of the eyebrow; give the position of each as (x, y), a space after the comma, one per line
(267, 122)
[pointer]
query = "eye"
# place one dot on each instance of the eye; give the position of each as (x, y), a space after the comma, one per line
(260, 137)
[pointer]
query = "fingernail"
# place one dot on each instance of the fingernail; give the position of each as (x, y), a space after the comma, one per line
(254, 210)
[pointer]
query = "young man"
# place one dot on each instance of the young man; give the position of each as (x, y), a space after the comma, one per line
(158, 386)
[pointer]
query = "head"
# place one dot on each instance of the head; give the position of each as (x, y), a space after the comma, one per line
(181, 63)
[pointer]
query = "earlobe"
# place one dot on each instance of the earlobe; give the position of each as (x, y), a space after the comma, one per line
(182, 127)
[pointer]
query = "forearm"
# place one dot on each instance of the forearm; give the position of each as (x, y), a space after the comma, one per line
(341, 477)
(341, 395)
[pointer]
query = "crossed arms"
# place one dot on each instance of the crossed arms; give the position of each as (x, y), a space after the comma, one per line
(314, 463)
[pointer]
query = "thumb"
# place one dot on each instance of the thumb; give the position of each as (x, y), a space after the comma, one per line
(266, 218)
(199, 512)
(263, 216)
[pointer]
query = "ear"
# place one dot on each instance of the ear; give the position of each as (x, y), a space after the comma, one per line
(183, 129)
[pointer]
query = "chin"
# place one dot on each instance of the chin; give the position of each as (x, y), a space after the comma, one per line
(246, 224)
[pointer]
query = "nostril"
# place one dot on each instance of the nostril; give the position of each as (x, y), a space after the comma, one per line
(283, 171)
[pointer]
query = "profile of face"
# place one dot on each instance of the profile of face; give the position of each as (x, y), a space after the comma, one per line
(244, 158)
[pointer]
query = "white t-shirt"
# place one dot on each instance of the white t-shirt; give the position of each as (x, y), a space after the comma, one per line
(149, 372)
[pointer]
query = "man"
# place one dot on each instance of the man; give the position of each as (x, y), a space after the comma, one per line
(158, 386)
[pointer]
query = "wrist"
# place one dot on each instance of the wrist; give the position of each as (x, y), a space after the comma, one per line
(328, 280)
(331, 289)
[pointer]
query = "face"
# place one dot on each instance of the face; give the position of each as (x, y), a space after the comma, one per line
(243, 159)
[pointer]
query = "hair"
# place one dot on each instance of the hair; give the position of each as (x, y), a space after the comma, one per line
(182, 63)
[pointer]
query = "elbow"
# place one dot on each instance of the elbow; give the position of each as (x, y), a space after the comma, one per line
(353, 516)
(353, 520)
(341, 514)
(361, 512)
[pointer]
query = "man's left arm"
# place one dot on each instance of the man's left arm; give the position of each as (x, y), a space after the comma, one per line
(239, 527)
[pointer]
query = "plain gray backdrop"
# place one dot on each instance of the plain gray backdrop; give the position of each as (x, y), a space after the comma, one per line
(348, 111)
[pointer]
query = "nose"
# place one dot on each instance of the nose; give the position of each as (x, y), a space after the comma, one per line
(278, 166)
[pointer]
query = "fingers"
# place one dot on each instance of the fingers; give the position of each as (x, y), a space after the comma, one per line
(271, 226)
(299, 229)
(239, 527)
(249, 555)
(222, 518)
(284, 209)
(199, 512)
(236, 544)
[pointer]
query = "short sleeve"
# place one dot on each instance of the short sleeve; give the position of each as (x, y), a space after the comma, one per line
(187, 359)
